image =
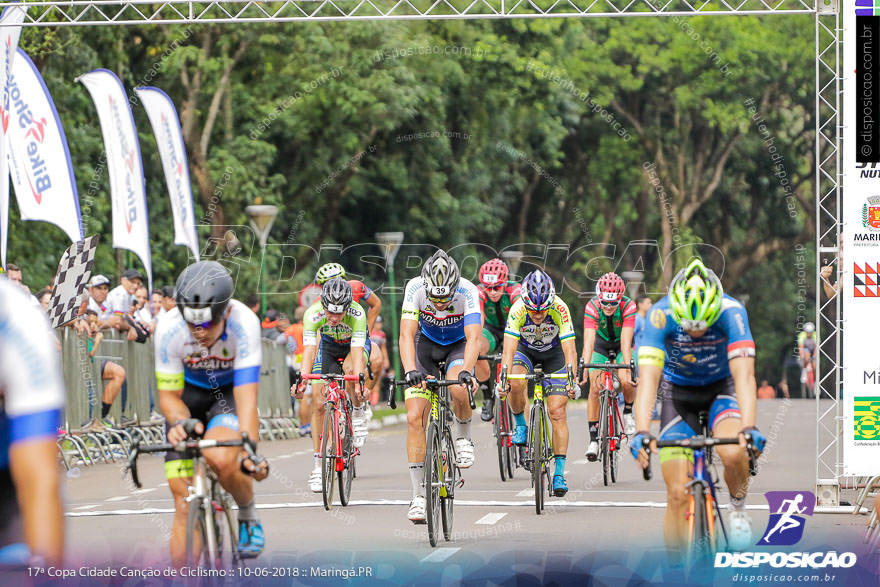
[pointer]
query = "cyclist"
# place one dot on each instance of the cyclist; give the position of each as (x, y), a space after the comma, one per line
(497, 296)
(609, 323)
(699, 350)
(208, 358)
(342, 324)
(440, 321)
(371, 302)
(31, 400)
(539, 329)
(806, 341)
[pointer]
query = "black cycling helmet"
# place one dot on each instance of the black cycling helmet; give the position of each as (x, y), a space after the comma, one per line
(203, 291)
(336, 295)
(441, 276)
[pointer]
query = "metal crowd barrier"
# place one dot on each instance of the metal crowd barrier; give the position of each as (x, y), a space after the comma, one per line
(134, 410)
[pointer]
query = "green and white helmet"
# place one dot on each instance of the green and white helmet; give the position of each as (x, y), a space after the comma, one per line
(695, 297)
(329, 271)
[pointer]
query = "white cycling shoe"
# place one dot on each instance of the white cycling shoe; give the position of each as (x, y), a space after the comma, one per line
(315, 480)
(739, 531)
(592, 453)
(629, 424)
(416, 513)
(464, 453)
(359, 427)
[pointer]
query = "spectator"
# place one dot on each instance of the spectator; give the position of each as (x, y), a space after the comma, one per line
(168, 301)
(112, 373)
(44, 296)
(643, 306)
(783, 388)
(253, 302)
(295, 332)
(99, 286)
(120, 297)
(766, 391)
(143, 313)
(269, 324)
(156, 303)
(13, 273)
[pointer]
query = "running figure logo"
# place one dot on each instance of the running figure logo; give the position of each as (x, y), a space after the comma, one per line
(786, 524)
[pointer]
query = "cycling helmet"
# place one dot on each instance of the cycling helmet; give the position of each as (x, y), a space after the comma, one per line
(610, 288)
(695, 296)
(328, 271)
(493, 273)
(336, 295)
(537, 291)
(440, 276)
(809, 327)
(203, 291)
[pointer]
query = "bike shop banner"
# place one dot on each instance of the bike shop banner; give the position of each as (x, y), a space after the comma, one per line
(169, 140)
(37, 153)
(860, 267)
(10, 31)
(130, 222)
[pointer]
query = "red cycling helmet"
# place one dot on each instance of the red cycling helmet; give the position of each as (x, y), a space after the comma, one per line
(493, 273)
(610, 288)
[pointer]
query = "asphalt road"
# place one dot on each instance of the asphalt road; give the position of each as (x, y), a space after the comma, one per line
(495, 523)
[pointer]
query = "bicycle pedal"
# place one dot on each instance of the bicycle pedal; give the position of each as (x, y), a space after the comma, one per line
(460, 483)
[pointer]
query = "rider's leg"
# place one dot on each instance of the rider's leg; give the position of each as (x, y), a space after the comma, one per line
(460, 405)
(736, 461)
(481, 371)
(179, 472)
(556, 405)
(629, 396)
(318, 411)
(593, 404)
(675, 463)
(224, 461)
(417, 412)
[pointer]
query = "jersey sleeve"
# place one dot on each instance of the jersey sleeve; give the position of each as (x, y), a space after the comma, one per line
(358, 323)
(591, 317)
(311, 323)
(472, 311)
(410, 308)
(515, 320)
(734, 321)
(514, 291)
(249, 352)
(359, 290)
(566, 327)
(629, 314)
(652, 350)
(168, 344)
(483, 300)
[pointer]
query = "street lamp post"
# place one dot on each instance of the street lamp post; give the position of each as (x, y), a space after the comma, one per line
(261, 218)
(633, 280)
(390, 243)
(512, 258)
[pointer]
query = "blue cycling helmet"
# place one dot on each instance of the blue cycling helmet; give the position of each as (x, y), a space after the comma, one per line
(537, 291)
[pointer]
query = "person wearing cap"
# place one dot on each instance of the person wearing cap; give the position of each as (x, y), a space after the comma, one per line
(120, 298)
(99, 286)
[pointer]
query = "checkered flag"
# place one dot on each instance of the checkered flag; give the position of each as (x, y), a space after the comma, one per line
(74, 271)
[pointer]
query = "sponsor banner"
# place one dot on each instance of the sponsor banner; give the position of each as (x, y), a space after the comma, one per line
(10, 31)
(859, 257)
(130, 222)
(37, 153)
(169, 140)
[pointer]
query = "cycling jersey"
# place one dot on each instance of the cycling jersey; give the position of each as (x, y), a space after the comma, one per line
(696, 361)
(809, 344)
(31, 387)
(233, 360)
(496, 312)
(609, 327)
(351, 330)
(359, 290)
(556, 327)
(119, 300)
(442, 326)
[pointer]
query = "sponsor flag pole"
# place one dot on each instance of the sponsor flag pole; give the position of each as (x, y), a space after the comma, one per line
(39, 160)
(127, 192)
(169, 140)
(10, 32)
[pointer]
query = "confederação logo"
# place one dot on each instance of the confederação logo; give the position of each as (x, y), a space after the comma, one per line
(866, 418)
(787, 510)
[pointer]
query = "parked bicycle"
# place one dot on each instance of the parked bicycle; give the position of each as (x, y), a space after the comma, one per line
(442, 475)
(337, 450)
(211, 525)
(611, 434)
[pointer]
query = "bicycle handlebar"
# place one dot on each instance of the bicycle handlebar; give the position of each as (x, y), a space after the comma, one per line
(495, 357)
(605, 366)
(333, 376)
(698, 442)
(429, 382)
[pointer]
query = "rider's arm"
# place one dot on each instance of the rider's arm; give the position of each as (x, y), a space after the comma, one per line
(169, 368)
(646, 395)
(34, 468)
(512, 329)
(358, 337)
(742, 369)
(626, 340)
(569, 349)
(590, 328)
(374, 303)
(734, 321)
(473, 326)
(246, 372)
(409, 325)
(246, 409)
(566, 332)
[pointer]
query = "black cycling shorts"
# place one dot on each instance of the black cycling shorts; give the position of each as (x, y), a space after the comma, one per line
(429, 354)
(213, 407)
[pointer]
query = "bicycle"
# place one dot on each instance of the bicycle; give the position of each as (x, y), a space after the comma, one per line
(442, 475)
(703, 515)
(337, 442)
(210, 506)
(611, 433)
(540, 443)
(502, 425)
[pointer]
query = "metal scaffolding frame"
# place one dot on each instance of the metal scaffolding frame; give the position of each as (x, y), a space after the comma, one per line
(829, 417)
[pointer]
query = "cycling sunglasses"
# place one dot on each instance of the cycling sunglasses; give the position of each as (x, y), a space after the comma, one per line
(605, 304)
(444, 300)
(493, 288)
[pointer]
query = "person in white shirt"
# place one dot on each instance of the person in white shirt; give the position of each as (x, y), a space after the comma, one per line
(120, 297)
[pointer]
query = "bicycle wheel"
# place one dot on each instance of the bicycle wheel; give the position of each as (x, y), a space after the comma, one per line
(536, 456)
(328, 463)
(447, 502)
(548, 453)
(346, 474)
(617, 436)
(433, 479)
(498, 427)
(195, 534)
(508, 444)
(699, 537)
(229, 555)
(603, 440)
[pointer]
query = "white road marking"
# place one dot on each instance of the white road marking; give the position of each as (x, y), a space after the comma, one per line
(86, 507)
(440, 555)
(581, 462)
(529, 492)
(117, 498)
(142, 491)
(163, 485)
(282, 457)
(491, 518)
